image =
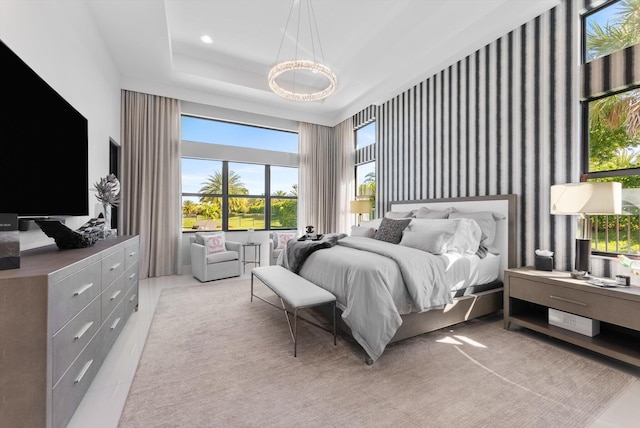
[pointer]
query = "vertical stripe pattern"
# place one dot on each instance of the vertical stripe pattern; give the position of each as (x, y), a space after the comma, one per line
(502, 120)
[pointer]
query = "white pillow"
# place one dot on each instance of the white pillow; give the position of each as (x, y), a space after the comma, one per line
(367, 232)
(487, 222)
(434, 242)
(283, 237)
(465, 232)
(425, 212)
(397, 214)
(375, 224)
(215, 243)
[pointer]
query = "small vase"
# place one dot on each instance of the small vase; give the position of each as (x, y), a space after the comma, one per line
(107, 220)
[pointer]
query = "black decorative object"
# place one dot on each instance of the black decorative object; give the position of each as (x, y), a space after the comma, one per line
(67, 238)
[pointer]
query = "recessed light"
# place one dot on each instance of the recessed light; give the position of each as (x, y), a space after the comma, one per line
(206, 39)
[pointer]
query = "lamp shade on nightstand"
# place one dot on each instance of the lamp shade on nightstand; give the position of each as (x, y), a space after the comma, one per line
(584, 199)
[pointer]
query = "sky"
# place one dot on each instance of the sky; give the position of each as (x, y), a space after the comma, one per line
(196, 171)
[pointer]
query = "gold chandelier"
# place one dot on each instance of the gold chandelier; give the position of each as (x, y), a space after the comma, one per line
(310, 68)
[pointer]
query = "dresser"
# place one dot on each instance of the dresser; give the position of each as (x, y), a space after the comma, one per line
(530, 293)
(60, 313)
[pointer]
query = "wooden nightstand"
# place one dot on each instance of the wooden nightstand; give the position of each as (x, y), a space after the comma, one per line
(529, 293)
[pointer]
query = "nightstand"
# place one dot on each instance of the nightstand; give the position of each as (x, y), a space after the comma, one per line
(529, 293)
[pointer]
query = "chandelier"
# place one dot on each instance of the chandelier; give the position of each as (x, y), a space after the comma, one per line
(315, 81)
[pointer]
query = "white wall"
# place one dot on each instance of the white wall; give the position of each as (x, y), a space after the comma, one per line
(57, 39)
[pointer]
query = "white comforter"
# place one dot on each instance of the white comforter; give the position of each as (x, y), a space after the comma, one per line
(376, 281)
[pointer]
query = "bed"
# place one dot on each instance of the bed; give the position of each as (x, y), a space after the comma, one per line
(387, 291)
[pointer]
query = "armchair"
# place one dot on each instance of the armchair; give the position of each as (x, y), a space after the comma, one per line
(208, 265)
(277, 240)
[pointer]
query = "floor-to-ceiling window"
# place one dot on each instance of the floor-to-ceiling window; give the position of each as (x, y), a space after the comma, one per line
(611, 116)
(237, 177)
(365, 171)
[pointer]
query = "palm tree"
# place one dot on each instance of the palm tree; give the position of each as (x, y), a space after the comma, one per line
(213, 185)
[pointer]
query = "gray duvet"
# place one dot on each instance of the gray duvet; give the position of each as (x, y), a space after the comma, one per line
(375, 282)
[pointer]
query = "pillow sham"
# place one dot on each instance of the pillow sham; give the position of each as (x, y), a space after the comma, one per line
(432, 241)
(487, 222)
(367, 232)
(283, 237)
(424, 212)
(399, 214)
(214, 243)
(375, 224)
(390, 230)
(465, 232)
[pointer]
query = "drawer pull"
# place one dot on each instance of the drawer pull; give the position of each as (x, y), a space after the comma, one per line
(83, 289)
(568, 300)
(133, 253)
(115, 323)
(114, 267)
(83, 330)
(133, 275)
(83, 371)
(132, 298)
(116, 294)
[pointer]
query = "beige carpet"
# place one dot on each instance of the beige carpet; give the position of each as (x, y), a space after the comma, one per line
(215, 359)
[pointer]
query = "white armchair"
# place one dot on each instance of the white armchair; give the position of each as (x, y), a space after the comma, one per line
(276, 243)
(207, 265)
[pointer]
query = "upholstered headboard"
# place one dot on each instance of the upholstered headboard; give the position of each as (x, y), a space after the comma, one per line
(505, 205)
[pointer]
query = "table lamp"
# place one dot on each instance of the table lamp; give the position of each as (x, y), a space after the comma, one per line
(360, 207)
(584, 199)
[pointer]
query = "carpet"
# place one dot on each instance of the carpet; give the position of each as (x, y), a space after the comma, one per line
(213, 358)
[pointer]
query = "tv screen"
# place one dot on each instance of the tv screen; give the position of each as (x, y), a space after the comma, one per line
(43, 146)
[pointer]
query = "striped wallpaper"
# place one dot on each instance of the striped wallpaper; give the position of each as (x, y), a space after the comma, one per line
(505, 119)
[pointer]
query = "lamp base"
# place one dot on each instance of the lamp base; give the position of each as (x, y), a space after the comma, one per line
(583, 256)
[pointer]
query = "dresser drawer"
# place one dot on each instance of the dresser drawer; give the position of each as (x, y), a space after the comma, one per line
(71, 294)
(73, 337)
(131, 253)
(68, 392)
(112, 328)
(581, 301)
(112, 267)
(112, 296)
(131, 276)
(131, 299)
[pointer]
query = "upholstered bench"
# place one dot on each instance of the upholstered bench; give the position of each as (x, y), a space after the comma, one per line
(296, 292)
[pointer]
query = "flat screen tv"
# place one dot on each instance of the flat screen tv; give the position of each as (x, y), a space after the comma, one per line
(43, 146)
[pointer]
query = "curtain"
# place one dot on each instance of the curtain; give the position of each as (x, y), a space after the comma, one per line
(326, 176)
(150, 180)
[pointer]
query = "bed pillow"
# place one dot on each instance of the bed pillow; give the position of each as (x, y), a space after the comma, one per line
(375, 224)
(433, 241)
(465, 233)
(399, 214)
(425, 212)
(214, 243)
(282, 238)
(367, 232)
(487, 222)
(390, 230)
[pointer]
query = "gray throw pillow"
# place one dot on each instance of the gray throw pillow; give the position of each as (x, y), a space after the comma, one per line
(390, 230)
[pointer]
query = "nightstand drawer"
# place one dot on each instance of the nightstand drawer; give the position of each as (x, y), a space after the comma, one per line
(577, 301)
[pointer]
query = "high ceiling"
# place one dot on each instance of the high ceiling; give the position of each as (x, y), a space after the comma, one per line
(377, 48)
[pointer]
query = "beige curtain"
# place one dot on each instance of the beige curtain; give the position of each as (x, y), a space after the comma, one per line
(326, 176)
(150, 180)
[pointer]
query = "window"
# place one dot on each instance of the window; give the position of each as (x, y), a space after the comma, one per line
(612, 125)
(610, 28)
(366, 135)
(366, 184)
(225, 194)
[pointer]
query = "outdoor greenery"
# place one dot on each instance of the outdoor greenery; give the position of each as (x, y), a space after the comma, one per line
(244, 212)
(614, 132)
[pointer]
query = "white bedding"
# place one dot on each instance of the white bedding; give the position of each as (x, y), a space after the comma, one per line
(375, 282)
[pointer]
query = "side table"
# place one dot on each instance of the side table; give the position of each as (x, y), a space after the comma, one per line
(256, 254)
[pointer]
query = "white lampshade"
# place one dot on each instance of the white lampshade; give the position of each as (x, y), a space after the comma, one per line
(360, 206)
(587, 198)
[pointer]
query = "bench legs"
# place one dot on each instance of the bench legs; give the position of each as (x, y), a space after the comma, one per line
(293, 330)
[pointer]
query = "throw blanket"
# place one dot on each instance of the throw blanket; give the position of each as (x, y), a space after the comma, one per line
(295, 252)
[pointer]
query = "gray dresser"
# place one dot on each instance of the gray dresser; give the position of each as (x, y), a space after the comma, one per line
(60, 313)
